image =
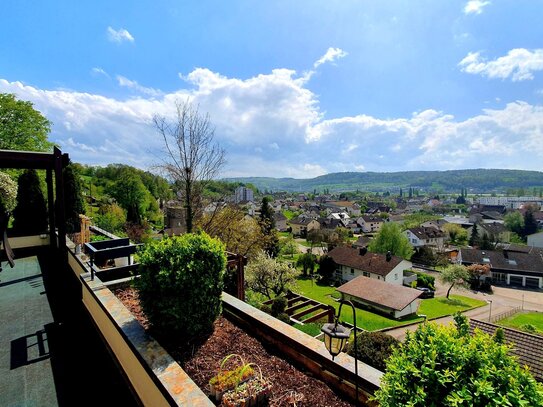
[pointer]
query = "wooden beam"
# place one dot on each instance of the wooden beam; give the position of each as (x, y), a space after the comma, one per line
(26, 159)
(307, 311)
(301, 305)
(51, 207)
(318, 316)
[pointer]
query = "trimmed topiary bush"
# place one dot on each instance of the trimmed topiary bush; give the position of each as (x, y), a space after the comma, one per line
(30, 214)
(279, 305)
(180, 284)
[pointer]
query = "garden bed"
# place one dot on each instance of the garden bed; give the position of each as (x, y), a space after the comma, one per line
(201, 361)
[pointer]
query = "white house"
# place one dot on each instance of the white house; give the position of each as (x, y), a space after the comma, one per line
(370, 224)
(425, 236)
(351, 263)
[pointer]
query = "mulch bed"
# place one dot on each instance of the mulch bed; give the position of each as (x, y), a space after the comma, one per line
(290, 386)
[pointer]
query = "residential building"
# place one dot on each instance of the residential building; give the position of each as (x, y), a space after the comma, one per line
(494, 231)
(517, 266)
(370, 224)
(352, 263)
(175, 220)
(280, 221)
(511, 202)
(425, 236)
(394, 300)
(243, 194)
(302, 225)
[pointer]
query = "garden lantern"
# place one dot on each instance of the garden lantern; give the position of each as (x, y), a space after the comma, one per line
(336, 337)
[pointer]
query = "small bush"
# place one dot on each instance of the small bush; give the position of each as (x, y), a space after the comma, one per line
(180, 284)
(283, 317)
(266, 308)
(424, 280)
(279, 305)
(529, 328)
(30, 214)
(374, 348)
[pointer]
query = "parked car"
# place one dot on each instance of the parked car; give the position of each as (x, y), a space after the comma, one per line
(426, 292)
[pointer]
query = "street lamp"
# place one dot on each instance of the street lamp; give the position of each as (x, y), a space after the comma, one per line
(490, 310)
(336, 337)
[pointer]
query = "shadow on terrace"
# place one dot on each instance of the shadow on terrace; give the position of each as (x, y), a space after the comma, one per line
(50, 352)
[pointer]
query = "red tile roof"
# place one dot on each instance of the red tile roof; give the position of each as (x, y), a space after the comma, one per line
(371, 262)
(379, 292)
(527, 348)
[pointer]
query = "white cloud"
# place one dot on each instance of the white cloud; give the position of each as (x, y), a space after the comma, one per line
(96, 71)
(125, 82)
(475, 6)
(519, 64)
(119, 35)
(331, 55)
(255, 116)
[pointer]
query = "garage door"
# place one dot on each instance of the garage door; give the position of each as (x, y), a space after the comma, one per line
(532, 282)
(515, 280)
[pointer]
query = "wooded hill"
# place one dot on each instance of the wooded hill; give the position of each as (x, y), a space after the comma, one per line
(475, 180)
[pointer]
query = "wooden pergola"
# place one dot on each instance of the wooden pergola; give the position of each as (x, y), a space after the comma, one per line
(53, 163)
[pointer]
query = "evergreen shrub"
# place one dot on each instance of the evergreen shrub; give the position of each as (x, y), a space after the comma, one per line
(180, 284)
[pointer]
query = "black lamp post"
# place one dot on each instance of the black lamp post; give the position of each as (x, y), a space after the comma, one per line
(336, 336)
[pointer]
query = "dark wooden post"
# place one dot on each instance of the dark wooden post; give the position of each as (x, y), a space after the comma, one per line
(61, 215)
(51, 208)
(241, 277)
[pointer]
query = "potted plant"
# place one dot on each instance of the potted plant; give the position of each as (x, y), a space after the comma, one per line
(254, 392)
(227, 379)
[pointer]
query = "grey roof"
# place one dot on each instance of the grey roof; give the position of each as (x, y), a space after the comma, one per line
(505, 260)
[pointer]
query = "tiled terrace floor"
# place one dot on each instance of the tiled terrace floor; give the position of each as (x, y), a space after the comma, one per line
(50, 353)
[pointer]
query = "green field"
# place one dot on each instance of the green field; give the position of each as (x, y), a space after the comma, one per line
(518, 321)
(432, 308)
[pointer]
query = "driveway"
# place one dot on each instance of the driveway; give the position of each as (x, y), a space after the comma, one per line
(503, 299)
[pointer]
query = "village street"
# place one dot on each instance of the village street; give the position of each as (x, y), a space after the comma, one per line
(502, 300)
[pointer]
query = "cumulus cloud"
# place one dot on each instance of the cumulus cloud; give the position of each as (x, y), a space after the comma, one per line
(475, 6)
(271, 125)
(119, 36)
(519, 64)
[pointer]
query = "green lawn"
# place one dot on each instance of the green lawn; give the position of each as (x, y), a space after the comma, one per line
(364, 319)
(524, 318)
(284, 234)
(289, 214)
(312, 329)
(432, 308)
(441, 306)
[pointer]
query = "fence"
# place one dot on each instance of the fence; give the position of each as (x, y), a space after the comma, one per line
(503, 315)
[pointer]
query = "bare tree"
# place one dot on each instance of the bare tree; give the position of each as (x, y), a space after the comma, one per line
(192, 156)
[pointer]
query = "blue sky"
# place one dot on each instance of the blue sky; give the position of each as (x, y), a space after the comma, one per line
(294, 89)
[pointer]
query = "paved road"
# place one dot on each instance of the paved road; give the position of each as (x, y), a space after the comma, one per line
(502, 300)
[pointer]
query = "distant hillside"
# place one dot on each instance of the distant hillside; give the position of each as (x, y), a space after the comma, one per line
(476, 180)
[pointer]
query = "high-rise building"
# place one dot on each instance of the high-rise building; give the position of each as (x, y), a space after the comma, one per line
(243, 194)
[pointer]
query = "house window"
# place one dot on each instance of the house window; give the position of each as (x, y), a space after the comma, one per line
(396, 276)
(365, 274)
(352, 271)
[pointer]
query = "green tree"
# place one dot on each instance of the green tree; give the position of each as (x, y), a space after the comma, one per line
(131, 194)
(8, 193)
(30, 214)
(447, 366)
(457, 234)
(391, 238)
(530, 224)
(474, 237)
(455, 274)
(307, 262)
(269, 277)
(21, 126)
(514, 222)
(111, 218)
(267, 223)
(73, 199)
(289, 247)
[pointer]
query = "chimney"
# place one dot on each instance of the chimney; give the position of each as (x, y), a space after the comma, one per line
(505, 254)
(362, 251)
(389, 256)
